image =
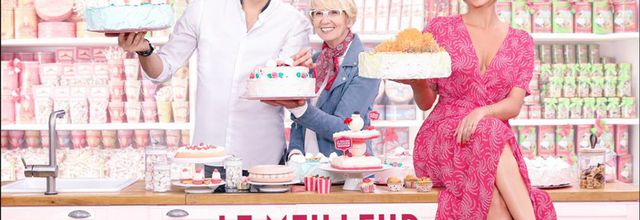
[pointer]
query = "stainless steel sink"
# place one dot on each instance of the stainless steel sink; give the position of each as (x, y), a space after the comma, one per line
(39, 185)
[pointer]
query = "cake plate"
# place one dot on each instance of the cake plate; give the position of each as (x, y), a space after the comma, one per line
(198, 189)
(353, 178)
(273, 187)
(210, 161)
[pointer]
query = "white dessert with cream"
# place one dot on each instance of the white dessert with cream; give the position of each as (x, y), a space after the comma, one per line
(550, 171)
(200, 151)
(281, 81)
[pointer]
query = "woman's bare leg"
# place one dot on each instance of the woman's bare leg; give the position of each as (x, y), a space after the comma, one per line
(498, 209)
(512, 187)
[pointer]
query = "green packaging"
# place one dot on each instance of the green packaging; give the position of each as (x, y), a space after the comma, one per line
(624, 86)
(584, 84)
(575, 111)
(570, 87)
(564, 106)
(602, 17)
(613, 107)
(521, 17)
(597, 86)
(628, 107)
(589, 108)
(610, 86)
(601, 108)
(597, 70)
(550, 108)
(562, 17)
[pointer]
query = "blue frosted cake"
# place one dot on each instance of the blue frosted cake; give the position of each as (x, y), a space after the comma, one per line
(116, 16)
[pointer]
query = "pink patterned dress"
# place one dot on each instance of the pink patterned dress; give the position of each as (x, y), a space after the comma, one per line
(468, 172)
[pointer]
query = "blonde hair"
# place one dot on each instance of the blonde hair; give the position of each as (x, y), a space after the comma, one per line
(349, 6)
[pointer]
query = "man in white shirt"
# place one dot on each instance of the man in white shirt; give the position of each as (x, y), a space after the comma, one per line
(231, 37)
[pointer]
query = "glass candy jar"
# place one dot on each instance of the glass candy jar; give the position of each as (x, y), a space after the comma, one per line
(592, 166)
(161, 177)
(233, 173)
(154, 154)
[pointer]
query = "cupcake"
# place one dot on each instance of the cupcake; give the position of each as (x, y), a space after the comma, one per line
(410, 181)
(424, 184)
(198, 178)
(394, 184)
(215, 177)
(185, 176)
(367, 186)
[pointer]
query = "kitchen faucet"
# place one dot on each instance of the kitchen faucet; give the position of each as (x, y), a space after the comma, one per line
(49, 171)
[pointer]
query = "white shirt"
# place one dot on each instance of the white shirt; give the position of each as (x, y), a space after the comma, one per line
(310, 137)
(227, 53)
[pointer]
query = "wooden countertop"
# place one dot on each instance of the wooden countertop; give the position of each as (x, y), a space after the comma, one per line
(136, 195)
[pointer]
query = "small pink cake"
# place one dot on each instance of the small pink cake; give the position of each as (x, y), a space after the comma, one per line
(200, 151)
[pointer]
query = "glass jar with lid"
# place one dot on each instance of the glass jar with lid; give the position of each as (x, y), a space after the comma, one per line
(154, 154)
(591, 163)
(233, 173)
(161, 177)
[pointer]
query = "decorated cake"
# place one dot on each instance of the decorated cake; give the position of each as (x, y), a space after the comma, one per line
(411, 55)
(280, 80)
(271, 174)
(200, 151)
(551, 171)
(309, 165)
(352, 143)
(117, 16)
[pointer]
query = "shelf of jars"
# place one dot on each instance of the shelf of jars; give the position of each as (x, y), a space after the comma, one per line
(106, 126)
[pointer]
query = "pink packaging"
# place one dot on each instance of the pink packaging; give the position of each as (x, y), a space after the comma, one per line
(109, 138)
(524, 112)
(116, 112)
(32, 138)
(65, 55)
(25, 110)
(582, 17)
(45, 57)
(98, 54)
(132, 90)
(6, 22)
(503, 9)
(535, 112)
(186, 138)
(25, 3)
(64, 139)
(98, 110)
(324, 185)
(25, 56)
(4, 139)
(180, 89)
(101, 69)
(541, 17)
(565, 141)
(30, 74)
(622, 140)
(607, 138)
(79, 139)
(625, 169)
(150, 111)
(141, 138)
(149, 90)
(8, 110)
(79, 111)
(94, 138)
(625, 17)
(583, 134)
(84, 69)
(84, 54)
(11, 74)
(58, 10)
(131, 69)
(116, 89)
(26, 23)
(125, 138)
(57, 30)
(44, 138)
(43, 107)
(173, 138)
(527, 139)
(6, 56)
(180, 111)
(61, 103)
(101, 92)
(133, 110)
(546, 141)
(50, 69)
(16, 139)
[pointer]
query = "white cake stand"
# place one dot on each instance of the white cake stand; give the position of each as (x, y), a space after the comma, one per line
(353, 178)
(211, 161)
(273, 187)
(198, 189)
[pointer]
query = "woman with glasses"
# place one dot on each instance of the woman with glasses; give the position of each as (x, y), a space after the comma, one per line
(466, 144)
(341, 91)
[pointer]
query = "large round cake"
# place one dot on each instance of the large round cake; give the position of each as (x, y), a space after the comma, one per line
(271, 174)
(411, 55)
(284, 81)
(200, 151)
(549, 172)
(116, 16)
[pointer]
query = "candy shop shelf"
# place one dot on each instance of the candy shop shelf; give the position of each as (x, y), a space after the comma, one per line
(114, 126)
(365, 38)
(581, 37)
(526, 122)
(69, 42)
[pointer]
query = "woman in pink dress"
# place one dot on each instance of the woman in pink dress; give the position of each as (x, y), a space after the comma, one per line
(466, 145)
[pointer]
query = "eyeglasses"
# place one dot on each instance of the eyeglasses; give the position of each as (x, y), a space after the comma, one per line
(319, 14)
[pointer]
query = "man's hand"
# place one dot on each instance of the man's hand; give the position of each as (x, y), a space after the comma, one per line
(285, 103)
(132, 42)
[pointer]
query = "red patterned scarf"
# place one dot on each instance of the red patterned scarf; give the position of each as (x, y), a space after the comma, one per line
(327, 64)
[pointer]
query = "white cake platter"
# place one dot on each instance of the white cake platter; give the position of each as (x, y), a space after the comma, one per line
(353, 178)
(273, 184)
(279, 98)
(214, 161)
(198, 189)
(555, 186)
